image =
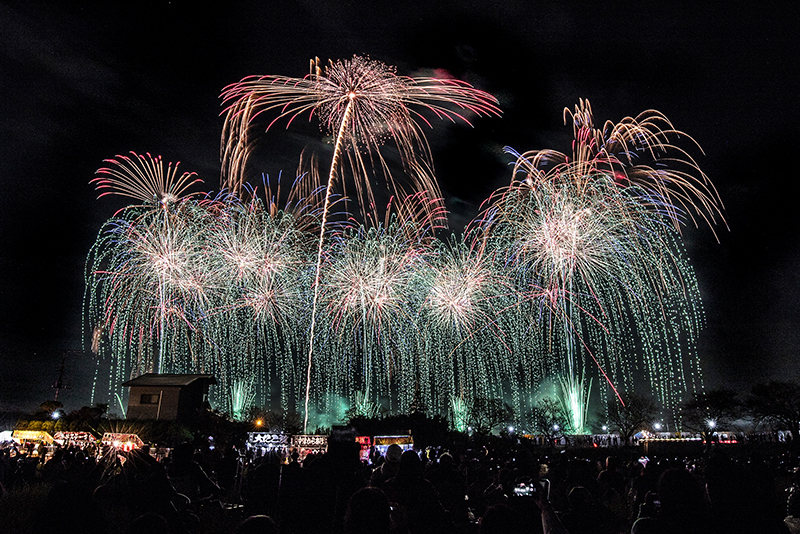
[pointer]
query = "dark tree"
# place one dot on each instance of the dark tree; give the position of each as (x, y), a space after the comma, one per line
(418, 405)
(709, 411)
(272, 421)
(47, 408)
(548, 419)
(487, 414)
(637, 412)
(777, 404)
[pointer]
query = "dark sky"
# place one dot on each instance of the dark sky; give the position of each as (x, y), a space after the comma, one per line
(81, 84)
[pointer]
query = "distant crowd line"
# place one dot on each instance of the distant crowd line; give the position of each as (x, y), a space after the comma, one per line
(498, 487)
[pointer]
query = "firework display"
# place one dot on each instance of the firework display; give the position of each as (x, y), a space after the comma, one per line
(312, 300)
(593, 240)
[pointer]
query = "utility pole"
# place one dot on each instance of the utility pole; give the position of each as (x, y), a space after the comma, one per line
(59, 383)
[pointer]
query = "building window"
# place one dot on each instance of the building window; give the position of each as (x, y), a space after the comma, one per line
(149, 398)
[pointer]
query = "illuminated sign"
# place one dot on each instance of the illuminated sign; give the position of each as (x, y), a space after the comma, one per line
(310, 441)
(267, 440)
(385, 441)
(74, 437)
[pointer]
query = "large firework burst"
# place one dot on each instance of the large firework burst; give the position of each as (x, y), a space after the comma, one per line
(363, 103)
(593, 241)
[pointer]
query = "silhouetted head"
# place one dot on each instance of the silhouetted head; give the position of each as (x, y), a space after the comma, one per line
(183, 453)
(368, 511)
(393, 453)
(611, 462)
(446, 460)
(579, 498)
(410, 465)
(257, 524)
(681, 495)
(149, 523)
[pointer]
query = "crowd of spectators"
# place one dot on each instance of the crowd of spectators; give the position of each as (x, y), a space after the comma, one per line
(473, 490)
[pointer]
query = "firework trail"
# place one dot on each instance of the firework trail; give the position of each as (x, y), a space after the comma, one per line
(261, 256)
(364, 104)
(147, 286)
(636, 152)
(365, 294)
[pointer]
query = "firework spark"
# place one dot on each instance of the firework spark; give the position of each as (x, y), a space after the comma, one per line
(634, 152)
(144, 178)
(362, 103)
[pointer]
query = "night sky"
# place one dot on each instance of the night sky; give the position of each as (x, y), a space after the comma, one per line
(82, 84)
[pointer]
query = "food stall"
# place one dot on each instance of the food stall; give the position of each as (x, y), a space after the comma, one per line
(306, 444)
(75, 439)
(34, 441)
(365, 444)
(124, 442)
(404, 442)
(261, 443)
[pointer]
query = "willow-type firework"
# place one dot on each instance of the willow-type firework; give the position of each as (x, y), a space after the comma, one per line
(593, 241)
(574, 273)
(363, 103)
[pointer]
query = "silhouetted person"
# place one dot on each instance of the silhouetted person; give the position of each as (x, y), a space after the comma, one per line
(500, 519)
(257, 524)
(792, 519)
(417, 496)
(187, 477)
(263, 485)
(679, 506)
(368, 511)
(586, 515)
(450, 486)
(149, 523)
(739, 501)
(388, 469)
(610, 478)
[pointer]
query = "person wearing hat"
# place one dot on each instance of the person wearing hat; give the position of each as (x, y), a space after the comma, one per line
(389, 467)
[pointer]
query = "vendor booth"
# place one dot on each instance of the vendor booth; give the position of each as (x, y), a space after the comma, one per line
(404, 442)
(124, 442)
(306, 444)
(261, 443)
(75, 439)
(36, 442)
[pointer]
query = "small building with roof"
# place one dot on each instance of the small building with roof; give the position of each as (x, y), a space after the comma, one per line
(167, 397)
